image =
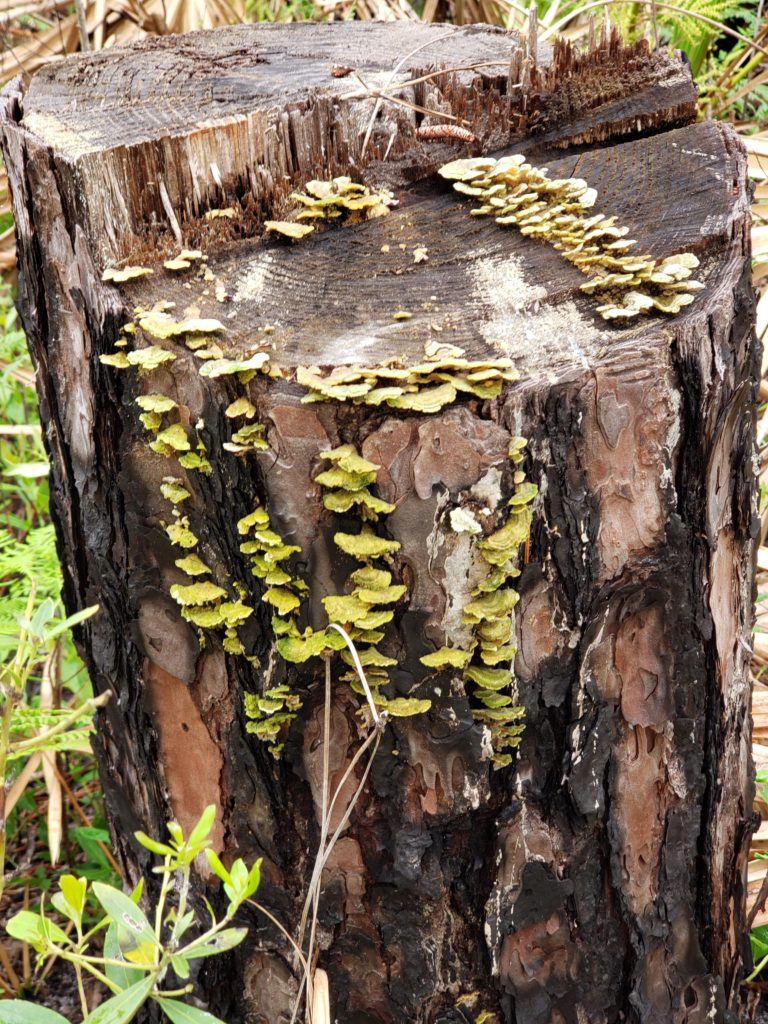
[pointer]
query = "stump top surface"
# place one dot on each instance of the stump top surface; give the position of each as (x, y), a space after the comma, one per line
(331, 298)
(172, 84)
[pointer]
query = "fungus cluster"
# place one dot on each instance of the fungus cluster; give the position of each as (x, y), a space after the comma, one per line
(210, 600)
(369, 605)
(331, 200)
(427, 387)
(559, 211)
(488, 663)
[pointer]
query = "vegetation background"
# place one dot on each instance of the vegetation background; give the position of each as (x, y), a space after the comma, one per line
(54, 810)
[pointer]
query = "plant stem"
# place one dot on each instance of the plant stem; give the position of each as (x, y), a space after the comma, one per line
(61, 726)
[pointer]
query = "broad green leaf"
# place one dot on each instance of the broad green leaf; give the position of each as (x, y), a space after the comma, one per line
(28, 470)
(70, 621)
(217, 867)
(219, 943)
(758, 938)
(123, 977)
(70, 900)
(180, 966)
(19, 1011)
(123, 911)
(202, 829)
(153, 845)
(122, 1008)
(74, 889)
(183, 1013)
(25, 926)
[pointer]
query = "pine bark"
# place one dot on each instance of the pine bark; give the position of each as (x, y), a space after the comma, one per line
(601, 878)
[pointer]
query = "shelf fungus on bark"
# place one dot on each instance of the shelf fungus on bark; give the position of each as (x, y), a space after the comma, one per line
(210, 601)
(557, 210)
(488, 662)
(338, 199)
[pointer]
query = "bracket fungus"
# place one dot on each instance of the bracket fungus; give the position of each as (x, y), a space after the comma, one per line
(557, 210)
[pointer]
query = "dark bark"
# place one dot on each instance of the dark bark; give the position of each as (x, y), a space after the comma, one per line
(601, 878)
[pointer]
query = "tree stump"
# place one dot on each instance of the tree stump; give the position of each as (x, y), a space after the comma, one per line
(600, 876)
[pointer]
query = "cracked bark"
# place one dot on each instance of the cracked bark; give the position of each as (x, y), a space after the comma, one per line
(602, 878)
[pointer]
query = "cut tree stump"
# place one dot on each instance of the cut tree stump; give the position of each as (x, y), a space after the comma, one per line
(600, 877)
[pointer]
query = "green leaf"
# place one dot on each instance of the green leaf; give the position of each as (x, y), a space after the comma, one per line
(183, 1013)
(19, 1011)
(758, 938)
(219, 943)
(28, 470)
(122, 1008)
(73, 890)
(202, 829)
(123, 977)
(180, 966)
(25, 926)
(153, 845)
(217, 867)
(123, 911)
(69, 622)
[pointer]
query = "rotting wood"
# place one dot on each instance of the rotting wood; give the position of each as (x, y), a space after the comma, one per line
(602, 877)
